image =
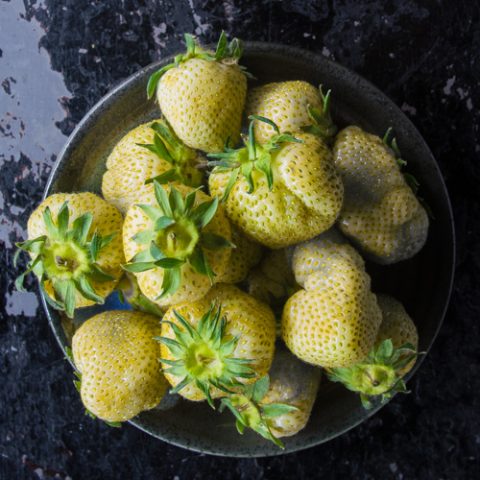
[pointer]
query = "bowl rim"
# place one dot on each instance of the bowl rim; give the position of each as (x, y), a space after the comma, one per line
(271, 48)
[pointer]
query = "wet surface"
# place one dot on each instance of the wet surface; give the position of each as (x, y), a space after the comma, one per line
(58, 58)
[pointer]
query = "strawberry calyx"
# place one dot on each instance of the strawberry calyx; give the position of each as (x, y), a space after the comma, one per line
(167, 146)
(204, 355)
(378, 376)
(251, 160)
(67, 258)
(392, 145)
(226, 52)
(250, 412)
(176, 237)
(322, 124)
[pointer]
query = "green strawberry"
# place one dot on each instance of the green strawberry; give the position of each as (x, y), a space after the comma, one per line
(176, 243)
(217, 343)
(151, 150)
(202, 94)
(294, 106)
(281, 192)
(334, 320)
(117, 359)
(75, 245)
(380, 213)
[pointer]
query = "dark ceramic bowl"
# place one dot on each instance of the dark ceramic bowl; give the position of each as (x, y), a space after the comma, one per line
(423, 283)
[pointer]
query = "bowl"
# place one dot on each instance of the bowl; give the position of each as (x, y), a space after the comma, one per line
(422, 283)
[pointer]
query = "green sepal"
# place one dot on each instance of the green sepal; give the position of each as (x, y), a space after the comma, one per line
(321, 121)
(378, 377)
(391, 143)
(226, 52)
(67, 258)
(203, 355)
(253, 157)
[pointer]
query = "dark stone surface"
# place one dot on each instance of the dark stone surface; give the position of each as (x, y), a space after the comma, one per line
(58, 58)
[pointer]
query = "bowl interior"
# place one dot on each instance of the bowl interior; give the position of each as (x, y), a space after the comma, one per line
(423, 283)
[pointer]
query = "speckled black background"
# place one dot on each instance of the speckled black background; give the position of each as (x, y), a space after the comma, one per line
(57, 58)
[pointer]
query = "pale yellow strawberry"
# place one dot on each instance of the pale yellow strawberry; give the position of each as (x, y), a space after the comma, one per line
(233, 344)
(117, 357)
(294, 383)
(288, 104)
(245, 256)
(173, 249)
(378, 376)
(380, 213)
(132, 162)
(397, 326)
(203, 94)
(75, 243)
(300, 197)
(333, 321)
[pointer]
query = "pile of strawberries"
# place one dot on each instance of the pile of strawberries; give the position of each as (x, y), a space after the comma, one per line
(232, 257)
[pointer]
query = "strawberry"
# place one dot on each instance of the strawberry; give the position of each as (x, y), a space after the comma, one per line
(217, 343)
(294, 106)
(151, 150)
(281, 192)
(117, 361)
(397, 326)
(294, 383)
(245, 255)
(202, 94)
(279, 404)
(380, 374)
(380, 213)
(176, 243)
(75, 245)
(333, 321)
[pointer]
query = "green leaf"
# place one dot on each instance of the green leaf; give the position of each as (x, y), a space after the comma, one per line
(260, 388)
(138, 267)
(65, 290)
(81, 227)
(264, 166)
(221, 47)
(86, 289)
(169, 263)
(206, 392)
(231, 182)
(176, 201)
(203, 214)
(99, 275)
(155, 78)
(265, 120)
(200, 263)
(144, 237)
(247, 169)
(180, 386)
(51, 301)
(151, 211)
(21, 278)
(212, 241)
(171, 282)
(95, 246)
(166, 177)
(113, 424)
(52, 231)
(163, 222)
(155, 252)
(276, 409)
(63, 218)
(162, 199)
